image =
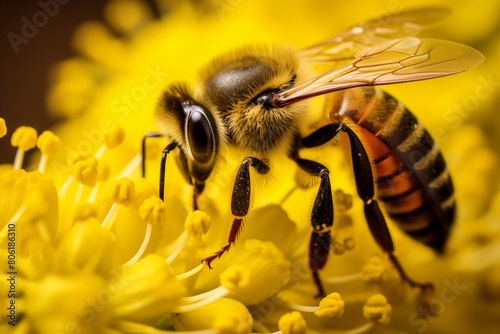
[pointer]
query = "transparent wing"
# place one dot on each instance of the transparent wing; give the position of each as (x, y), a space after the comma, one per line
(401, 60)
(382, 29)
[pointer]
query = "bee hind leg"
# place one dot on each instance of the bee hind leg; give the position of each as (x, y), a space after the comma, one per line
(363, 175)
(240, 203)
(319, 247)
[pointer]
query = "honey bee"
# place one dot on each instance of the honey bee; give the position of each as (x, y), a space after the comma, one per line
(254, 100)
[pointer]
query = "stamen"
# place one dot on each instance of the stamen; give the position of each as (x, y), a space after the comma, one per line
(111, 140)
(85, 171)
(143, 247)
(13, 220)
(301, 308)
(108, 221)
(292, 323)
(183, 239)
(115, 137)
(49, 144)
(197, 224)
(24, 138)
(373, 271)
(203, 299)
(65, 187)
(377, 309)
(102, 177)
(342, 279)
(190, 273)
(152, 211)
(100, 152)
(205, 295)
(132, 166)
(135, 327)
(3, 127)
(332, 306)
(123, 191)
(78, 195)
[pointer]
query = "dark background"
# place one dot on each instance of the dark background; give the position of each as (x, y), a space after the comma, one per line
(24, 76)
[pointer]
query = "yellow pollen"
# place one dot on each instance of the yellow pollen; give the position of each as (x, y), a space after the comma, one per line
(123, 191)
(197, 224)
(24, 137)
(235, 277)
(332, 306)
(377, 309)
(292, 323)
(143, 190)
(48, 143)
(3, 128)
(232, 325)
(343, 201)
(153, 210)
(373, 270)
(77, 156)
(115, 137)
(85, 171)
(343, 239)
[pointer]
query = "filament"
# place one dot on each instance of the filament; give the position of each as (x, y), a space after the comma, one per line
(143, 247)
(191, 272)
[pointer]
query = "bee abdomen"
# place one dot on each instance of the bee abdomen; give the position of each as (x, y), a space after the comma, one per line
(412, 178)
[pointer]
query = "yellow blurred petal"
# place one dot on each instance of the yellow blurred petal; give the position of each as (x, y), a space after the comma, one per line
(225, 314)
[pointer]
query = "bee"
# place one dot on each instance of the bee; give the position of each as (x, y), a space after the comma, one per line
(254, 99)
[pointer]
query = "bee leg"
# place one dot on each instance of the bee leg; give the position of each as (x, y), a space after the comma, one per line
(365, 187)
(321, 220)
(166, 151)
(146, 136)
(240, 203)
(319, 248)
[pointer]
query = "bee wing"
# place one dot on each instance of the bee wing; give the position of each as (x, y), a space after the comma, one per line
(401, 60)
(388, 27)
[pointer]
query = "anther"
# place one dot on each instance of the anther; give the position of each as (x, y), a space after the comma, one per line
(377, 309)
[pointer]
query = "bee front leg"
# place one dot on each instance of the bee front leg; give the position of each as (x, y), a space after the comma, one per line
(146, 136)
(240, 203)
(321, 220)
(166, 151)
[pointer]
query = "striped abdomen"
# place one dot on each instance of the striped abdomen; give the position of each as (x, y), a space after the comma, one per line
(412, 178)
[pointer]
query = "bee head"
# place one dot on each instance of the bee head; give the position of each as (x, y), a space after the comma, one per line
(242, 86)
(190, 122)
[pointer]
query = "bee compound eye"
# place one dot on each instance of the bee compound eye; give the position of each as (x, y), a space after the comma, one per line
(265, 100)
(200, 128)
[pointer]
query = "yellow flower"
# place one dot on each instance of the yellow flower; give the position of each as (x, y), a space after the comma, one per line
(97, 250)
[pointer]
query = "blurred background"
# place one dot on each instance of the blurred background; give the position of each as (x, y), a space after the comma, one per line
(24, 74)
